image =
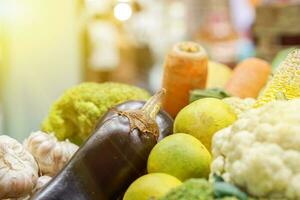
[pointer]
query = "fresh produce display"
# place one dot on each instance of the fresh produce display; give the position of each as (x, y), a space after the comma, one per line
(50, 154)
(163, 119)
(112, 158)
(151, 187)
(74, 115)
(185, 69)
(180, 155)
(236, 139)
(18, 169)
(203, 118)
(260, 152)
(218, 75)
(285, 82)
(248, 78)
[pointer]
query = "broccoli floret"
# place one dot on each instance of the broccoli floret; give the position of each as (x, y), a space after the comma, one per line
(193, 189)
(201, 189)
(74, 115)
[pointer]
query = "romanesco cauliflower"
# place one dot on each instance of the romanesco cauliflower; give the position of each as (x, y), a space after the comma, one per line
(74, 115)
(260, 152)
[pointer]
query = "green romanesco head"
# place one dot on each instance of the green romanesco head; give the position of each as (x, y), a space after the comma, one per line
(74, 115)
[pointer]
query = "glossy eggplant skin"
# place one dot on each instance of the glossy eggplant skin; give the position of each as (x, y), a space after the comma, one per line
(105, 165)
(163, 119)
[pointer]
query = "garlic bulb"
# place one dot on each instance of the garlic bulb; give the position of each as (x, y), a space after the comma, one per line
(18, 169)
(41, 182)
(50, 154)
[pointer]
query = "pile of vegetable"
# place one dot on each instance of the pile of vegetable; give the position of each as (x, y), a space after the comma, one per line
(254, 142)
(238, 138)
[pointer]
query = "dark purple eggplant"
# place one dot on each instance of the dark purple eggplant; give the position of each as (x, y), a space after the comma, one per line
(111, 158)
(163, 119)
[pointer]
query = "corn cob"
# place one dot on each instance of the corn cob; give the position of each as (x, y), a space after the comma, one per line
(285, 84)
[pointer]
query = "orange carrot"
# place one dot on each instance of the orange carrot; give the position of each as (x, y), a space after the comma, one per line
(248, 78)
(185, 69)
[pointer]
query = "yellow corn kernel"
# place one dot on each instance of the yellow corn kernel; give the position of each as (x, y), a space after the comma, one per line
(285, 84)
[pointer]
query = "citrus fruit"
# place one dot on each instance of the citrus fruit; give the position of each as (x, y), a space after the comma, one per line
(180, 155)
(218, 75)
(151, 186)
(203, 118)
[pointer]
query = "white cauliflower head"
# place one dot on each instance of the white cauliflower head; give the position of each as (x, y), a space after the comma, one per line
(260, 152)
(239, 105)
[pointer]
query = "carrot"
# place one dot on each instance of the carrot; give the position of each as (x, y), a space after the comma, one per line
(248, 78)
(185, 69)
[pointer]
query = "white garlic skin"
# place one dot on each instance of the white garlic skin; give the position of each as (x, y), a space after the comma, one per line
(50, 154)
(18, 169)
(41, 182)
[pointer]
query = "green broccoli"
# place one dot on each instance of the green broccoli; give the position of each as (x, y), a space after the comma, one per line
(74, 115)
(201, 189)
(192, 189)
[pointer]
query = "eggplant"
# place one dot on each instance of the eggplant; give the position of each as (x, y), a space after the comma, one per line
(110, 159)
(163, 119)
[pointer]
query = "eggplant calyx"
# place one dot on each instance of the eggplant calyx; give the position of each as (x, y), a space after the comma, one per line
(152, 106)
(138, 120)
(145, 119)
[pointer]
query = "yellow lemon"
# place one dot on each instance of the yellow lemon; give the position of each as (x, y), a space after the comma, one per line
(218, 75)
(203, 118)
(151, 186)
(180, 155)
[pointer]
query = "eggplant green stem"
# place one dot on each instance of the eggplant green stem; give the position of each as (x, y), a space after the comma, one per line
(152, 106)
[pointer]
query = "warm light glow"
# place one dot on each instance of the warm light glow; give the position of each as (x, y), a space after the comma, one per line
(11, 9)
(122, 11)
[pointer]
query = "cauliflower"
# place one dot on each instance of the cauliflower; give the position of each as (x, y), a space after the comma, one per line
(260, 152)
(74, 115)
(239, 105)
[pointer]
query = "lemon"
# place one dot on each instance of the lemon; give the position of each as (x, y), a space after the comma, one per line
(151, 186)
(218, 75)
(180, 155)
(203, 118)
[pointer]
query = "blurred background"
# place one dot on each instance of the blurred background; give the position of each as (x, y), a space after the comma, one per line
(47, 46)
